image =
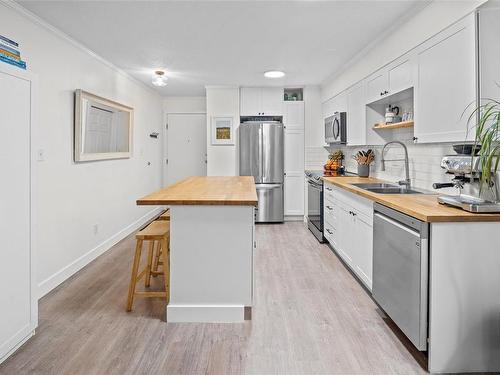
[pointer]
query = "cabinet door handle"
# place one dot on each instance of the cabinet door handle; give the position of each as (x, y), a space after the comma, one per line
(329, 207)
(415, 139)
(386, 92)
(329, 231)
(329, 189)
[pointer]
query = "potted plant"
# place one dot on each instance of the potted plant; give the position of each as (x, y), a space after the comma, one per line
(364, 159)
(487, 140)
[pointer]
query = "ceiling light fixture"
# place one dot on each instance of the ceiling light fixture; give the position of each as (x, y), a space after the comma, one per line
(159, 78)
(274, 74)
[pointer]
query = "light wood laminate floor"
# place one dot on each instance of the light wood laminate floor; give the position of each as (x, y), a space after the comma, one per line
(310, 317)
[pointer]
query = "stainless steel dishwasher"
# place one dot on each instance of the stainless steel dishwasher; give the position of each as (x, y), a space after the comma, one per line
(400, 271)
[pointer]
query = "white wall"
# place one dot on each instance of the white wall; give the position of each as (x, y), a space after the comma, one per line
(71, 198)
(314, 129)
(426, 23)
(185, 104)
(223, 101)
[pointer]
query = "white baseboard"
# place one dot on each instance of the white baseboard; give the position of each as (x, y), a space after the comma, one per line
(294, 218)
(60, 276)
(205, 313)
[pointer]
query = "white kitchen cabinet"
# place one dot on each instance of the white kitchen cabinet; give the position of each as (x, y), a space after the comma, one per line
(362, 242)
(294, 171)
(18, 293)
(261, 101)
(250, 101)
(272, 101)
(293, 114)
(377, 85)
(349, 229)
(391, 79)
(489, 51)
(446, 84)
(356, 115)
(401, 75)
(294, 194)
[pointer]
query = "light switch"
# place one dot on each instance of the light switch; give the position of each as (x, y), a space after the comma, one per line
(40, 155)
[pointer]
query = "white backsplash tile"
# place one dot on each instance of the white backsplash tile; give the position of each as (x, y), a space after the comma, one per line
(424, 161)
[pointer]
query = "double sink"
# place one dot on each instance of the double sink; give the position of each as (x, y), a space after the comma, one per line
(384, 188)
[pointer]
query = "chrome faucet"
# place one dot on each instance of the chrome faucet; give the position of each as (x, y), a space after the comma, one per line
(407, 181)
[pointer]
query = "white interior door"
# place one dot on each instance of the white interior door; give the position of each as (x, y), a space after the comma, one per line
(186, 151)
(15, 253)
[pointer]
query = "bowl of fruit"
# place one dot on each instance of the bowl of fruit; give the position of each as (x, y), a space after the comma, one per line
(333, 163)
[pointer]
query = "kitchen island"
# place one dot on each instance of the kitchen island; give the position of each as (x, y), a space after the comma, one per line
(211, 247)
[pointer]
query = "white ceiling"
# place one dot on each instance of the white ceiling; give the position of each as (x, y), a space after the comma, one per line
(224, 42)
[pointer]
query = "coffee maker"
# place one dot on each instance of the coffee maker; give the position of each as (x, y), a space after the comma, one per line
(467, 171)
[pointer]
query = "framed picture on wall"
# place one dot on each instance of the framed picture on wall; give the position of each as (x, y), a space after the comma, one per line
(222, 130)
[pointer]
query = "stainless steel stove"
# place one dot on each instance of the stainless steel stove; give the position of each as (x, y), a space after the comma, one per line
(315, 202)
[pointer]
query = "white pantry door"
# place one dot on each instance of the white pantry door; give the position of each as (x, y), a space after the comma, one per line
(186, 146)
(15, 231)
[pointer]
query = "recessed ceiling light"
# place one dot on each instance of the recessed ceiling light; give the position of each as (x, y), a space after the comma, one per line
(159, 78)
(274, 74)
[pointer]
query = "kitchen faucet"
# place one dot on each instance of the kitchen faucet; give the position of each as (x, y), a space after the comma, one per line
(407, 181)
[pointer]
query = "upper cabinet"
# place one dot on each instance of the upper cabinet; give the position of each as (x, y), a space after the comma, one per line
(377, 86)
(435, 87)
(293, 114)
(446, 84)
(395, 77)
(261, 101)
(356, 115)
(401, 75)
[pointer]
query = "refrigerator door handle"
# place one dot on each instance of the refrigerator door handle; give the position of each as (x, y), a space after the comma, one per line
(268, 186)
(261, 140)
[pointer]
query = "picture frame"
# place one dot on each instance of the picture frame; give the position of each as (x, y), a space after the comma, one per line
(103, 128)
(222, 130)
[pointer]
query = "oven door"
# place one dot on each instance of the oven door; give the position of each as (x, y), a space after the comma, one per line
(315, 205)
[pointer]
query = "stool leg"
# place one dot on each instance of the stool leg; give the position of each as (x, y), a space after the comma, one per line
(157, 258)
(147, 279)
(133, 278)
(166, 266)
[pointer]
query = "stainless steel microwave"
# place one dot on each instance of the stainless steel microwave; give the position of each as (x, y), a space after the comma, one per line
(336, 128)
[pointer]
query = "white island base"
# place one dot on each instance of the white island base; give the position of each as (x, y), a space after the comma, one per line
(211, 263)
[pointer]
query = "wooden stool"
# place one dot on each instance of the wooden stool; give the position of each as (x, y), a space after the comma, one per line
(156, 232)
(165, 215)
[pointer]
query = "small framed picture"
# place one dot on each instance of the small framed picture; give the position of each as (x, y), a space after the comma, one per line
(222, 130)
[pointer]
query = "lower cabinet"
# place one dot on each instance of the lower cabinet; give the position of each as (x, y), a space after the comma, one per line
(294, 194)
(349, 229)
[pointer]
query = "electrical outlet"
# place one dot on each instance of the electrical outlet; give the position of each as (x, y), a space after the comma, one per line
(96, 228)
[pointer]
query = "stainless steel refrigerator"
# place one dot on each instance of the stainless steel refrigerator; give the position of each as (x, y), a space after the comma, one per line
(261, 156)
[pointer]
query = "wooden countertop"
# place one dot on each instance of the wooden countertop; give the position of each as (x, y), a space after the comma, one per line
(421, 206)
(223, 191)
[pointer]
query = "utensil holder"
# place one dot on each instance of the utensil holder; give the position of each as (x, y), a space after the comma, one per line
(363, 170)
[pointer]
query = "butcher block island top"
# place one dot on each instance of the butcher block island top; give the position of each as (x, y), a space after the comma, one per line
(424, 207)
(214, 190)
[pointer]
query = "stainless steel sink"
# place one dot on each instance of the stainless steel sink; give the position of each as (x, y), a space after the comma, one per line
(384, 188)
(375, 185)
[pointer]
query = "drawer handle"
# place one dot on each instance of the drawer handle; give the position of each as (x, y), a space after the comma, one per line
(329, 231)
(329, 207)
(352, 213)
(329, 189)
